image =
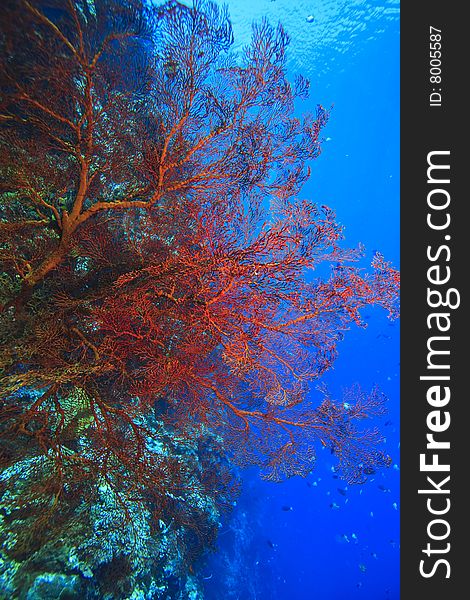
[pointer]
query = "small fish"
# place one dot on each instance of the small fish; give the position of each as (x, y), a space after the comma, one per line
(286, 508)
(362, 567)
(384, 489)
(374, 555)
(388, 423)
(342, 539)
(354, 537)
(310, 19)
(395, 506)
(371, 514)
(341, 491)
(271, 544)
(334, 506)
(396, 467)
(383, 336)
(369, 471)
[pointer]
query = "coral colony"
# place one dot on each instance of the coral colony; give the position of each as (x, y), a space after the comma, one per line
(159, 324)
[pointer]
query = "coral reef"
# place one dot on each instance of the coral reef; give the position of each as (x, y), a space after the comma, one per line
(96, 547)
(159, 318)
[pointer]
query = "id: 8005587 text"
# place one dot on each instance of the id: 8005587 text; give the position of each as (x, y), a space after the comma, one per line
(435, 66)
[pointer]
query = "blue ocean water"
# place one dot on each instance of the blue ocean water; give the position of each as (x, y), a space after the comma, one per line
(337, 541)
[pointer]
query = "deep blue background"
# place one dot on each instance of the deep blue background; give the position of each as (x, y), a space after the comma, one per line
(350, 53)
